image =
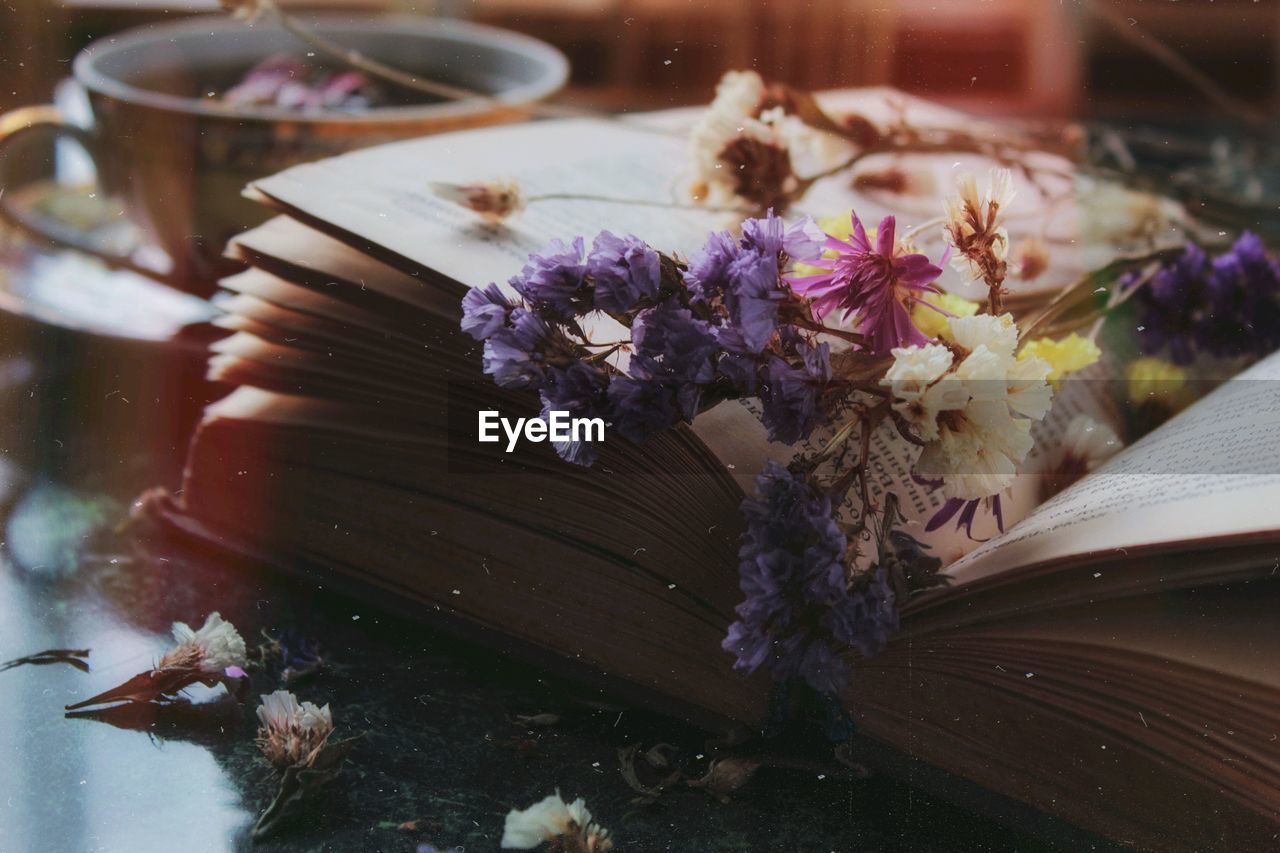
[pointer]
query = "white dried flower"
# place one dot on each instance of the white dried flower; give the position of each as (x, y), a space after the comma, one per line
(918, 395)
(976, 414)
(741, 153)
(974, 226)
(1117, 216)
(550, 819)
(1085, 445)
(492, 200)
(291, 733)
(211, 649)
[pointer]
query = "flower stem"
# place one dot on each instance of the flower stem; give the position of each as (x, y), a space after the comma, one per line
(638, 202)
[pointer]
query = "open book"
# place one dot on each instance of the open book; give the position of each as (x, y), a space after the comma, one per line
(1107, 660)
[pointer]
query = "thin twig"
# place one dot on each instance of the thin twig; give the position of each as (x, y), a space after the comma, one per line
(1128, 30)
(435, 88)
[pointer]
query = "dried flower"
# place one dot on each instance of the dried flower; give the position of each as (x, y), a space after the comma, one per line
(742, 153)
(790, 395)
(1064, 356)
(553, 282)
(919, 395)
(875, 286)
(1152, 380)
(982, 406)
(245, 10)
(1227, 306)
(744, 275)
(1030, 258)
(297, 739)
(211, 655)
(291, 733)
(932, 314)
(493, 201)
(1085, 445)
(214, 647)
(1115, 215)
(624, 270)
(485, 310)
(515, 355)
(553, 820)
(974, 226)
(800, 611)
(289, 83)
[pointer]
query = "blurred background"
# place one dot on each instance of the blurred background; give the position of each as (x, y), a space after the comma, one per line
(1023, 57)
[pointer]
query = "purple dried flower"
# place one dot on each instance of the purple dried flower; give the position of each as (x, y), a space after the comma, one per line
(738, 363)
(877, 285)
(867, 617)
(581, 390)
(484, 311)
(641, 407)
(624, 271)
(513, 355)
(790, 395)
(708, 272)
(753, 296)
(801, 241)
(553, 282)
(675, 344)
(744, 275)
(965, 513)
(798, 613)
(1227, 307)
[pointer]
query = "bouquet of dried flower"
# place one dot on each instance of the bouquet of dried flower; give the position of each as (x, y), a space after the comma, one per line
(834, 330)
(825, 333)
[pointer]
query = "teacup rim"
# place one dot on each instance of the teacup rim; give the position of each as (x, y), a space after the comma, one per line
(554, 62)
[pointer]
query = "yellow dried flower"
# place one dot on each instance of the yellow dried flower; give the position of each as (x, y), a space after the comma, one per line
(1064, 356)
(936, 325)
(1153, 380)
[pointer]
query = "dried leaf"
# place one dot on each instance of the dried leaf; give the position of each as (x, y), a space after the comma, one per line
(147, 687)
(71, 656)
(726, 776)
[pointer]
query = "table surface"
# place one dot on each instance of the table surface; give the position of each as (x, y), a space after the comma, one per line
(89, 428)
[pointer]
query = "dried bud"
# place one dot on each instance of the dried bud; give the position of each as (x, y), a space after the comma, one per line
(492, 200)
(245, 10)
(1030, 258)
(975, 227)
(292, 733)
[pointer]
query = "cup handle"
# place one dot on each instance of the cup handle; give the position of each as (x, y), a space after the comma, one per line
(17, 126)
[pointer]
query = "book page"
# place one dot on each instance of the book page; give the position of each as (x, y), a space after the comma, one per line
(1213, 471)
(382, 195)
